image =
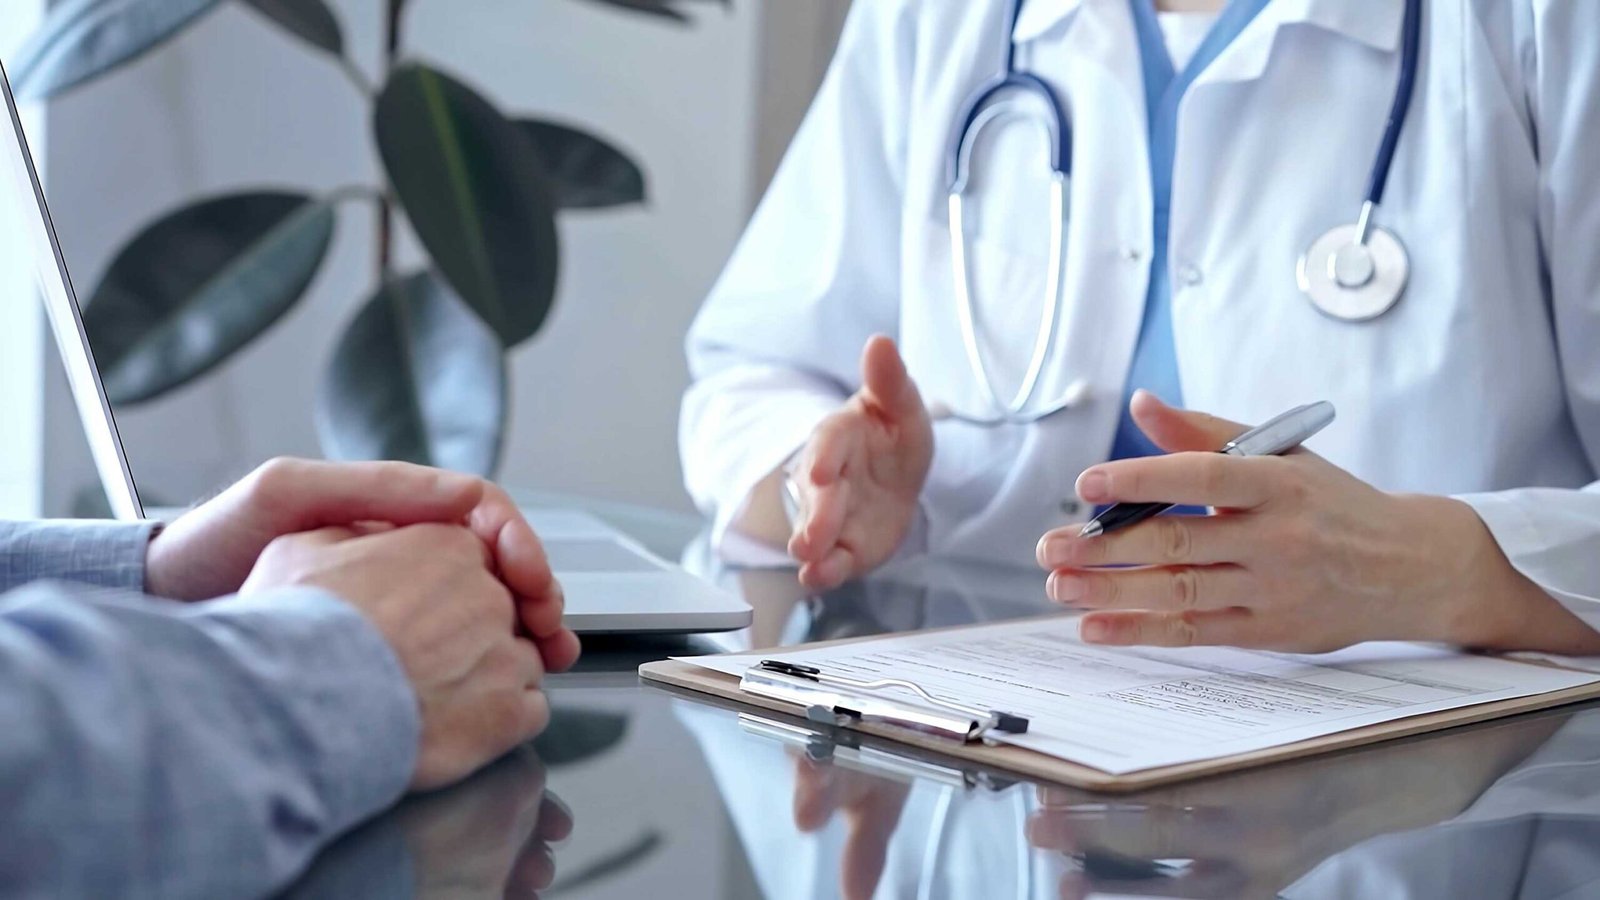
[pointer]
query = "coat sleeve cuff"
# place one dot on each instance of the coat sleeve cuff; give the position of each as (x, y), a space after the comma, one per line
(1542, 559)
(788, 428)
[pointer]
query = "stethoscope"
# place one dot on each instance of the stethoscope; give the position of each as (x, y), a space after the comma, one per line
(1352, 273)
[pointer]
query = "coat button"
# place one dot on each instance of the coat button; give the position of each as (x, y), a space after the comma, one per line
(1189, 275)
(1071, 507)
(1132, 254)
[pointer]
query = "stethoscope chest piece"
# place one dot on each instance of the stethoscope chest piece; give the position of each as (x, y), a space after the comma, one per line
(1354, 280)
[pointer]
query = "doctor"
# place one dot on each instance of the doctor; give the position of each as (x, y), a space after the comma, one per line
(1390, 204)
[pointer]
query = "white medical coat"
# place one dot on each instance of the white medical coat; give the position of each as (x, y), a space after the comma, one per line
(1484, 382)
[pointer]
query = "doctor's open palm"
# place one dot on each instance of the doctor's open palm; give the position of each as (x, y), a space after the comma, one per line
(861, 474)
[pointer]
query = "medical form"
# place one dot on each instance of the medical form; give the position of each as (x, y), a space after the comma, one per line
(1123, 709)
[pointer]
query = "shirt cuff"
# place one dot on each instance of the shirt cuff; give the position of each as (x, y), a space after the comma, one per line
(100, 554)
(348, 704)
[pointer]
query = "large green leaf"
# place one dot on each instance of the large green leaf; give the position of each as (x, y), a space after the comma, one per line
(310, 20)
(83, 39)
(584, 171)
(199, 284)
(474, 190)
(417, 377)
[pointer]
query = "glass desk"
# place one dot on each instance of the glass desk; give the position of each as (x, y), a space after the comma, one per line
(637, 792)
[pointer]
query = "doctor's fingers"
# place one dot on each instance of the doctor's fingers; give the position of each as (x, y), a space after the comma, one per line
(1201, 628)
(1190, 479)
(885, 383)
(1162, 541)
(1170, 589)
(836, 442)
(826, 510)
(833, 570)
(816, 795)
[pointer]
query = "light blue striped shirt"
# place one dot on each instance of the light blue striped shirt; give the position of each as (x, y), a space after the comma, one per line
(156, 749)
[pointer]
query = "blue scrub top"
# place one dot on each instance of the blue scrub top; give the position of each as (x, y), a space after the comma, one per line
(1155, 359)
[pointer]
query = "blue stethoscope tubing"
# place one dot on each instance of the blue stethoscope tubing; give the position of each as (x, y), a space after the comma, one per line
(1353, 273)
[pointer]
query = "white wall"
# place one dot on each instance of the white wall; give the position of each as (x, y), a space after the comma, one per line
(22, 357)
(232, 104)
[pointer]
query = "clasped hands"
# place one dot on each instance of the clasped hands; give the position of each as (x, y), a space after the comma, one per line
(442, 564)
(1298, 554)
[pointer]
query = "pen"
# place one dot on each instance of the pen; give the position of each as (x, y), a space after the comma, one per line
(1279, 435)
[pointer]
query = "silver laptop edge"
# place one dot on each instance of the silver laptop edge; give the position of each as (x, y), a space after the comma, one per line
(61, 303)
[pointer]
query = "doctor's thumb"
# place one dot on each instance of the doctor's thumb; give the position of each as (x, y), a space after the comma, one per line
(1177, 430)
(885, 380)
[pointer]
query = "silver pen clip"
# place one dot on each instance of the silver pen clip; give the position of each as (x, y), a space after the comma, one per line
(837, 700)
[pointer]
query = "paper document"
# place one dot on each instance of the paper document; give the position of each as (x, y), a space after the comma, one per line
(1122, 710)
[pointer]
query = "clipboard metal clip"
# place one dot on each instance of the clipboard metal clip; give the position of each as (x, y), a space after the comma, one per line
(840, 701)
(844, 749)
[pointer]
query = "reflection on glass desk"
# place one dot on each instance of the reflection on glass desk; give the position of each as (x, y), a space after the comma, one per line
(637, 792)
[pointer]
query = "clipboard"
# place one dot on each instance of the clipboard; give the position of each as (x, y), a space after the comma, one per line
(1037, 766)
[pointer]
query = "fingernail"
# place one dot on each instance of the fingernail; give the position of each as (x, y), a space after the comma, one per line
(1058, 552)
(1094, 631)
(1068, 589)
(1094, 486)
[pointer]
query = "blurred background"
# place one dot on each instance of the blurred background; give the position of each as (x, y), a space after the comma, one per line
(696, 99)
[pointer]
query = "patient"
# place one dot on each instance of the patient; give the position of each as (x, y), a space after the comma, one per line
(276, 665)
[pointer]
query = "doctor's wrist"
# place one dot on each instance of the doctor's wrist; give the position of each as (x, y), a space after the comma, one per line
(1484, 602)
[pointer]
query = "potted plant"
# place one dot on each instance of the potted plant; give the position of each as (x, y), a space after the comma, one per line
(419, 373)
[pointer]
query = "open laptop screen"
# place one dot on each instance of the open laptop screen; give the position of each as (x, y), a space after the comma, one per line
(26, 228)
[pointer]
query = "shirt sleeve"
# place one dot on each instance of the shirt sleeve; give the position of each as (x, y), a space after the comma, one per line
(103, 554)
(1551, 535)
(157, 749)
(776, 346)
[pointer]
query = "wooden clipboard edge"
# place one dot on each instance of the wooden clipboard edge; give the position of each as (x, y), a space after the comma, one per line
(1041, 767)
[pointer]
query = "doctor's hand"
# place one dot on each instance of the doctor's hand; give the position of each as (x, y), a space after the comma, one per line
(861, 474)
(871, 807)
(1300, 555)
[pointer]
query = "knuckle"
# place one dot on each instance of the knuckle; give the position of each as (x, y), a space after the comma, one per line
(1295, 539)
(495, 599)
(1283, 475)
(532, 662)
(535, 712)
(463, 541)
(1175, 542)
(1092, 552)
(390, 468)
(505, 705)
(1215, 474)
(1185, 589)
(270, 478)
(1103, 591)
(279, 549)
(1180, 631)
(451, 539)
(1129, 480)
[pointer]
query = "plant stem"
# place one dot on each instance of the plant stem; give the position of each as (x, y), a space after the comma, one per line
(391, 50)
(356, 77)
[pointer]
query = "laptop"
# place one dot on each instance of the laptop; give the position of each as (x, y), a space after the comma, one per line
(613, 584)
